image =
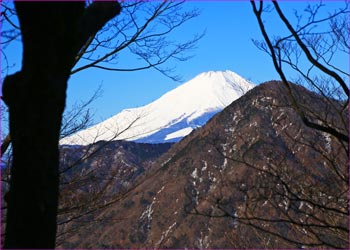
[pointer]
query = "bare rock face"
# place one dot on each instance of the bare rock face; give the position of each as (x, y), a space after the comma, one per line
(254, 176)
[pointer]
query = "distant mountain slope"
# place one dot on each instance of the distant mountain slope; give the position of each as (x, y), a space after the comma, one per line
(121, 161)
(92, 176)
(172, 116)
(228, 184)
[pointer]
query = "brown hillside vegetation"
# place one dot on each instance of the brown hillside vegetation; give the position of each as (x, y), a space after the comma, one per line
(253, 177)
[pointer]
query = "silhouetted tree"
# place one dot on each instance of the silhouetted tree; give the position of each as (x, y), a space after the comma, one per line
(53, 33)
(313, 53)
(84, 185)
(71, 34)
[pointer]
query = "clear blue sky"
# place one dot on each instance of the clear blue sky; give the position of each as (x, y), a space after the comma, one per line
(229, 25)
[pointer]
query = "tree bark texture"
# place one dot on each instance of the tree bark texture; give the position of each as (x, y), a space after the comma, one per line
(52, 34)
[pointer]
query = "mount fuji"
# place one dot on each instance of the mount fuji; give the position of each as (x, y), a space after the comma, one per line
(172, 116)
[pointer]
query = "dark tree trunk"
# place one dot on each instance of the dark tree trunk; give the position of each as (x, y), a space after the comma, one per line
(36, 99)
(52, 34)
(34, 126)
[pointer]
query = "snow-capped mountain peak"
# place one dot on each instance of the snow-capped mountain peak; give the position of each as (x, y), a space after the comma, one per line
(173, 115)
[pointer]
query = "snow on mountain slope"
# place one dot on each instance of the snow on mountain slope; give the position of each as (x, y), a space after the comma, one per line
(173, 115)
